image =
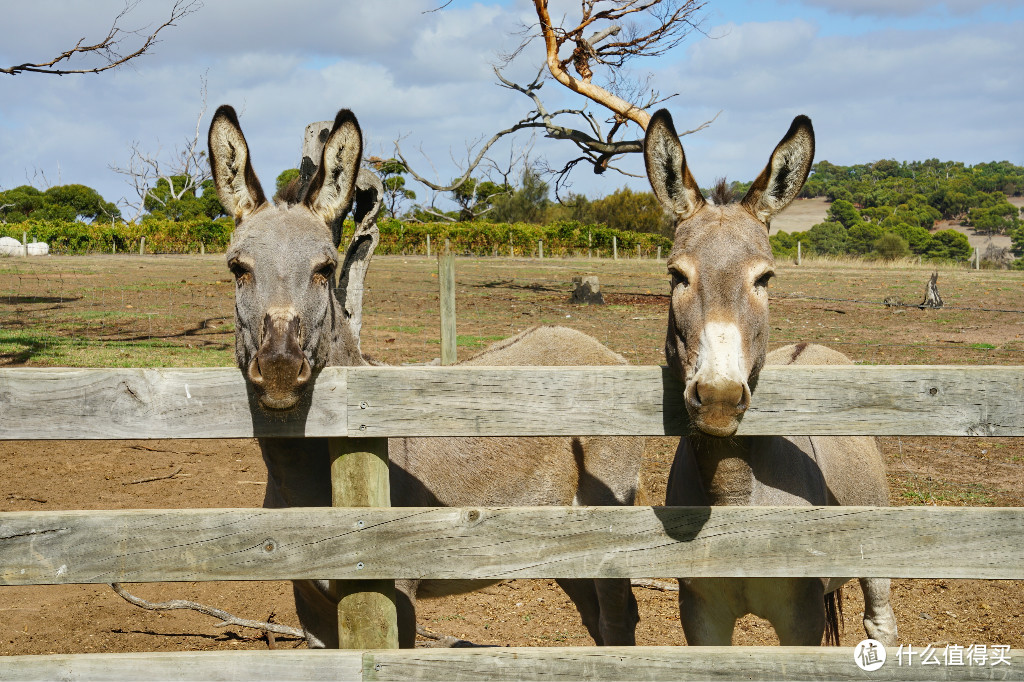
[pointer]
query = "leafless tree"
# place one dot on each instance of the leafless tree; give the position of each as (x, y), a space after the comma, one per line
(598, 44)
(114, 50)
(474, 196)
(185, 173)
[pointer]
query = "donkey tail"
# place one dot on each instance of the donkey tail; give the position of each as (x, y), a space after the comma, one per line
(833, 616)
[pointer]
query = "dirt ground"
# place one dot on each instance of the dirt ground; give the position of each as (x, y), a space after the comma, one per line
(177, 310)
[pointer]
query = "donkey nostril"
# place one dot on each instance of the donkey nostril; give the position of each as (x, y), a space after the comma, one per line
(305, 372)
(254, 373)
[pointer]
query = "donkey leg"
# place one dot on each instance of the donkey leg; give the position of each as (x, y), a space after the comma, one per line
(794, 607)
(879, 619)
(318, 613)
(405, 603)
(583, 593)
(619, 613)
(706, 617)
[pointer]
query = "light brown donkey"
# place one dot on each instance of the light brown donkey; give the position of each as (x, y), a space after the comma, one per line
(298, 309)
(717, 339)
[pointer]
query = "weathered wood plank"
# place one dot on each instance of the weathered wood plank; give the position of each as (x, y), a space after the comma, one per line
(44, 403)
(367, 611)
(446, 285)
(506, 401)
(661, 663)
(848, 400)
(487, 543)
(653, 664)
(240, 666)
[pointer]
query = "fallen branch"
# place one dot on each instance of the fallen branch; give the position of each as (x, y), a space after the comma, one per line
(225, 617)
(654, 584)
(155, 478)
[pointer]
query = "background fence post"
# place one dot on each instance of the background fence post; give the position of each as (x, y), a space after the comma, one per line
(367, 615)
(446, 281)
(142, 246)
(428, 246)
(615, 247)
(590, 245)
(540, 248)
(798, 254)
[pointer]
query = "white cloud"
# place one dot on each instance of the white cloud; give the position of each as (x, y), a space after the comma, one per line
(954, 93)
(904, 8)
(888, 94)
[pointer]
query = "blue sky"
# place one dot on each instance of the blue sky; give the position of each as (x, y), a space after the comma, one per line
(908, 80)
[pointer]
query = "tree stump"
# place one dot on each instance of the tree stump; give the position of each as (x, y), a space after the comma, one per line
(931, 293)
(586, 289)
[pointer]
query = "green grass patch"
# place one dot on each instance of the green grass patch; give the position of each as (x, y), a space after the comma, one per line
(981, 346)
(404, 329)
(939, 493)
(43, 349)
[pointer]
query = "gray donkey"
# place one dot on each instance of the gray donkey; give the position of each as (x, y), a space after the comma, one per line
(292, 320)
(716, 344)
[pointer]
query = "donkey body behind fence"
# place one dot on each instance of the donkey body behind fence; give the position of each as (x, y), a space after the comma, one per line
(292, 320)
(716, 344)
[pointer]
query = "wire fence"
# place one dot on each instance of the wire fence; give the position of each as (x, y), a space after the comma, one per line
(117, 310)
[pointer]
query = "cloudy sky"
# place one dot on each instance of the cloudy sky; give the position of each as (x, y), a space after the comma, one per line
(903, 79)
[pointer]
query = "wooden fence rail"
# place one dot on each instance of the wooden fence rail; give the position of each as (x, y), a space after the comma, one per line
(511, 664)
(505, 401)
(518, 542)
(370, 546)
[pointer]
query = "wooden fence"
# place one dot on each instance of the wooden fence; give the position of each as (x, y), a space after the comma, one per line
(358, 408)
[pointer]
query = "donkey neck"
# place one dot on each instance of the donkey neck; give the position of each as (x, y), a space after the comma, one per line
(724, 467)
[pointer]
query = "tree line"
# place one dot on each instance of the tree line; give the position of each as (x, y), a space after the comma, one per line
(886, 209)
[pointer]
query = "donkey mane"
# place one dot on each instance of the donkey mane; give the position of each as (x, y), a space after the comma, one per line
(291, 194)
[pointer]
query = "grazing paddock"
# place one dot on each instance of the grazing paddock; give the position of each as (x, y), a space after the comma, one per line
(75, 311)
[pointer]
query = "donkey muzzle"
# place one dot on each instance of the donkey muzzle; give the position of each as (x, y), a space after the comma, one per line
(716, 407)
(279, 372)
(718, 394)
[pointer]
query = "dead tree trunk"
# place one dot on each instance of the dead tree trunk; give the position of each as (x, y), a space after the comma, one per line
(931, 293)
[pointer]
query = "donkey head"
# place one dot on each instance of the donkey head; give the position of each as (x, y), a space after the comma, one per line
(720, 265)
(291, 319)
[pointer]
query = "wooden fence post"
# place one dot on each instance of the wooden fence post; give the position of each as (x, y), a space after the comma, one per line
(659, 253)
(446, 281)
(24, 244)
(615, 247)
(540, 248)
(428, 246)
(798, 254)
(367, 615)
(142, 246)
(590, 244)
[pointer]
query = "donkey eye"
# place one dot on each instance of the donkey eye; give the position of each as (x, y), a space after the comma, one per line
(762, 281)
(679, 279)
(239, 270)
(324, 273)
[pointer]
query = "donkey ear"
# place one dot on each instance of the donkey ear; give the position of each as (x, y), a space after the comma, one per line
(666, 168)
(331, 189)
(238, 188)
(787, 170)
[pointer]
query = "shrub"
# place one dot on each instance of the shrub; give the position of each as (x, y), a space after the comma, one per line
(891, 246)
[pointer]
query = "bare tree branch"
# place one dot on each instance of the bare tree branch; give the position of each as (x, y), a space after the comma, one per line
(184, 174)
(109, 47)
(607, 34)
(226, 618)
